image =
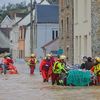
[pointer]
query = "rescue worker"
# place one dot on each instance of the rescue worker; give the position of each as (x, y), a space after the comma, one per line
(10, 60)
(89, 63)
(58, 68)
(52, 60)
(11, 67)
(83, 65)
(96, 68)
(32, 63)
(45, 67)
(5, 64)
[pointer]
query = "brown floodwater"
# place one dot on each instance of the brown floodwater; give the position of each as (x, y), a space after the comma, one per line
(26, 87)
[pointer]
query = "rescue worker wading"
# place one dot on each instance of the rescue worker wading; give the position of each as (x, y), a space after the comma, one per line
(96, 68)
(32, 64)
(58, 68)
(5, 64)
(45, 67)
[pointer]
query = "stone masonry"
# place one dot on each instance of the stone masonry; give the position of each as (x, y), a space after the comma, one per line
(66, 28)
(95, 27)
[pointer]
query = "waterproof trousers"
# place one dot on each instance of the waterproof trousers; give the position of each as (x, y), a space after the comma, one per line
(32, 68)
(98, 80)
(45, 75)
(4, 67)
(55, 78)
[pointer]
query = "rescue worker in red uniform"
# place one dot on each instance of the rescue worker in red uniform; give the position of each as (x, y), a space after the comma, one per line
(52, 60)
(32, 64)
(5, 64)
(45, 68)
(11, 67)
(10, 60)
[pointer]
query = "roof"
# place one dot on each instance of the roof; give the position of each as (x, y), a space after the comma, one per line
(47, 13)
(6, 18)
(45, 2)
(12, 14)
(6, 31)
(4, 40)
(49, 43)
(42, 13)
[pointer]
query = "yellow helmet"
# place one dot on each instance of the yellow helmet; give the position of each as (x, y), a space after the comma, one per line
(97, 59)
(62, 57)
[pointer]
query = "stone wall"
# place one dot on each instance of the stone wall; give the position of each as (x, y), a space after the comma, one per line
(66, 28)
(95, 27)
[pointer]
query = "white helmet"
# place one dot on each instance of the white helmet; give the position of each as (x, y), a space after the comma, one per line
(97, 59)
(63, 57)
(48, 55)
(33, 55)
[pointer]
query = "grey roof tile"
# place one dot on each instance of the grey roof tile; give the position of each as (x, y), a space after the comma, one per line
(47, 13)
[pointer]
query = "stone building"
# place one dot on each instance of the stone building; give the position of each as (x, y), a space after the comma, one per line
(75, 29)
(95, 27)
(66, 28)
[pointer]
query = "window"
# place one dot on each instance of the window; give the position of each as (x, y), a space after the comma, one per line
(62, 3)
(62, 26)
(53, 35)
(76, 48)
(67, 3)
(22, 31)
(80, 49)
(21, 34)
(21, 53)
(56, 34)
(85, 45)
(67, 25)
(67, 53)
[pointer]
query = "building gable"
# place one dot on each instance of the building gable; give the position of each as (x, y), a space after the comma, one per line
(7, 22)
(44, 2)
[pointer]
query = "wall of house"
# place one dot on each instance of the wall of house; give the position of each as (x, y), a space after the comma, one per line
(82, 29)
(95, 27)
(14, 36)
(44, 35)
(26, 19)
(27, 42)
(66, 28)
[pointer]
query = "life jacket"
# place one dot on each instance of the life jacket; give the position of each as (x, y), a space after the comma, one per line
(5, 61)
(31, 62)
(97, 69)
(58, 67)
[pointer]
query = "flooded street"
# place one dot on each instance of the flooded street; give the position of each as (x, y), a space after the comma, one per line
(26, 87)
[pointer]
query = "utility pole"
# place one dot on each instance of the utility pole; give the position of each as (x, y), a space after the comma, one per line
(31, 27)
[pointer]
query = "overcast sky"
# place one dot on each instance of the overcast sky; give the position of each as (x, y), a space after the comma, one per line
(14, 1)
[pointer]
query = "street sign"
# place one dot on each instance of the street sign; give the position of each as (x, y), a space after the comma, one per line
(60, 51)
